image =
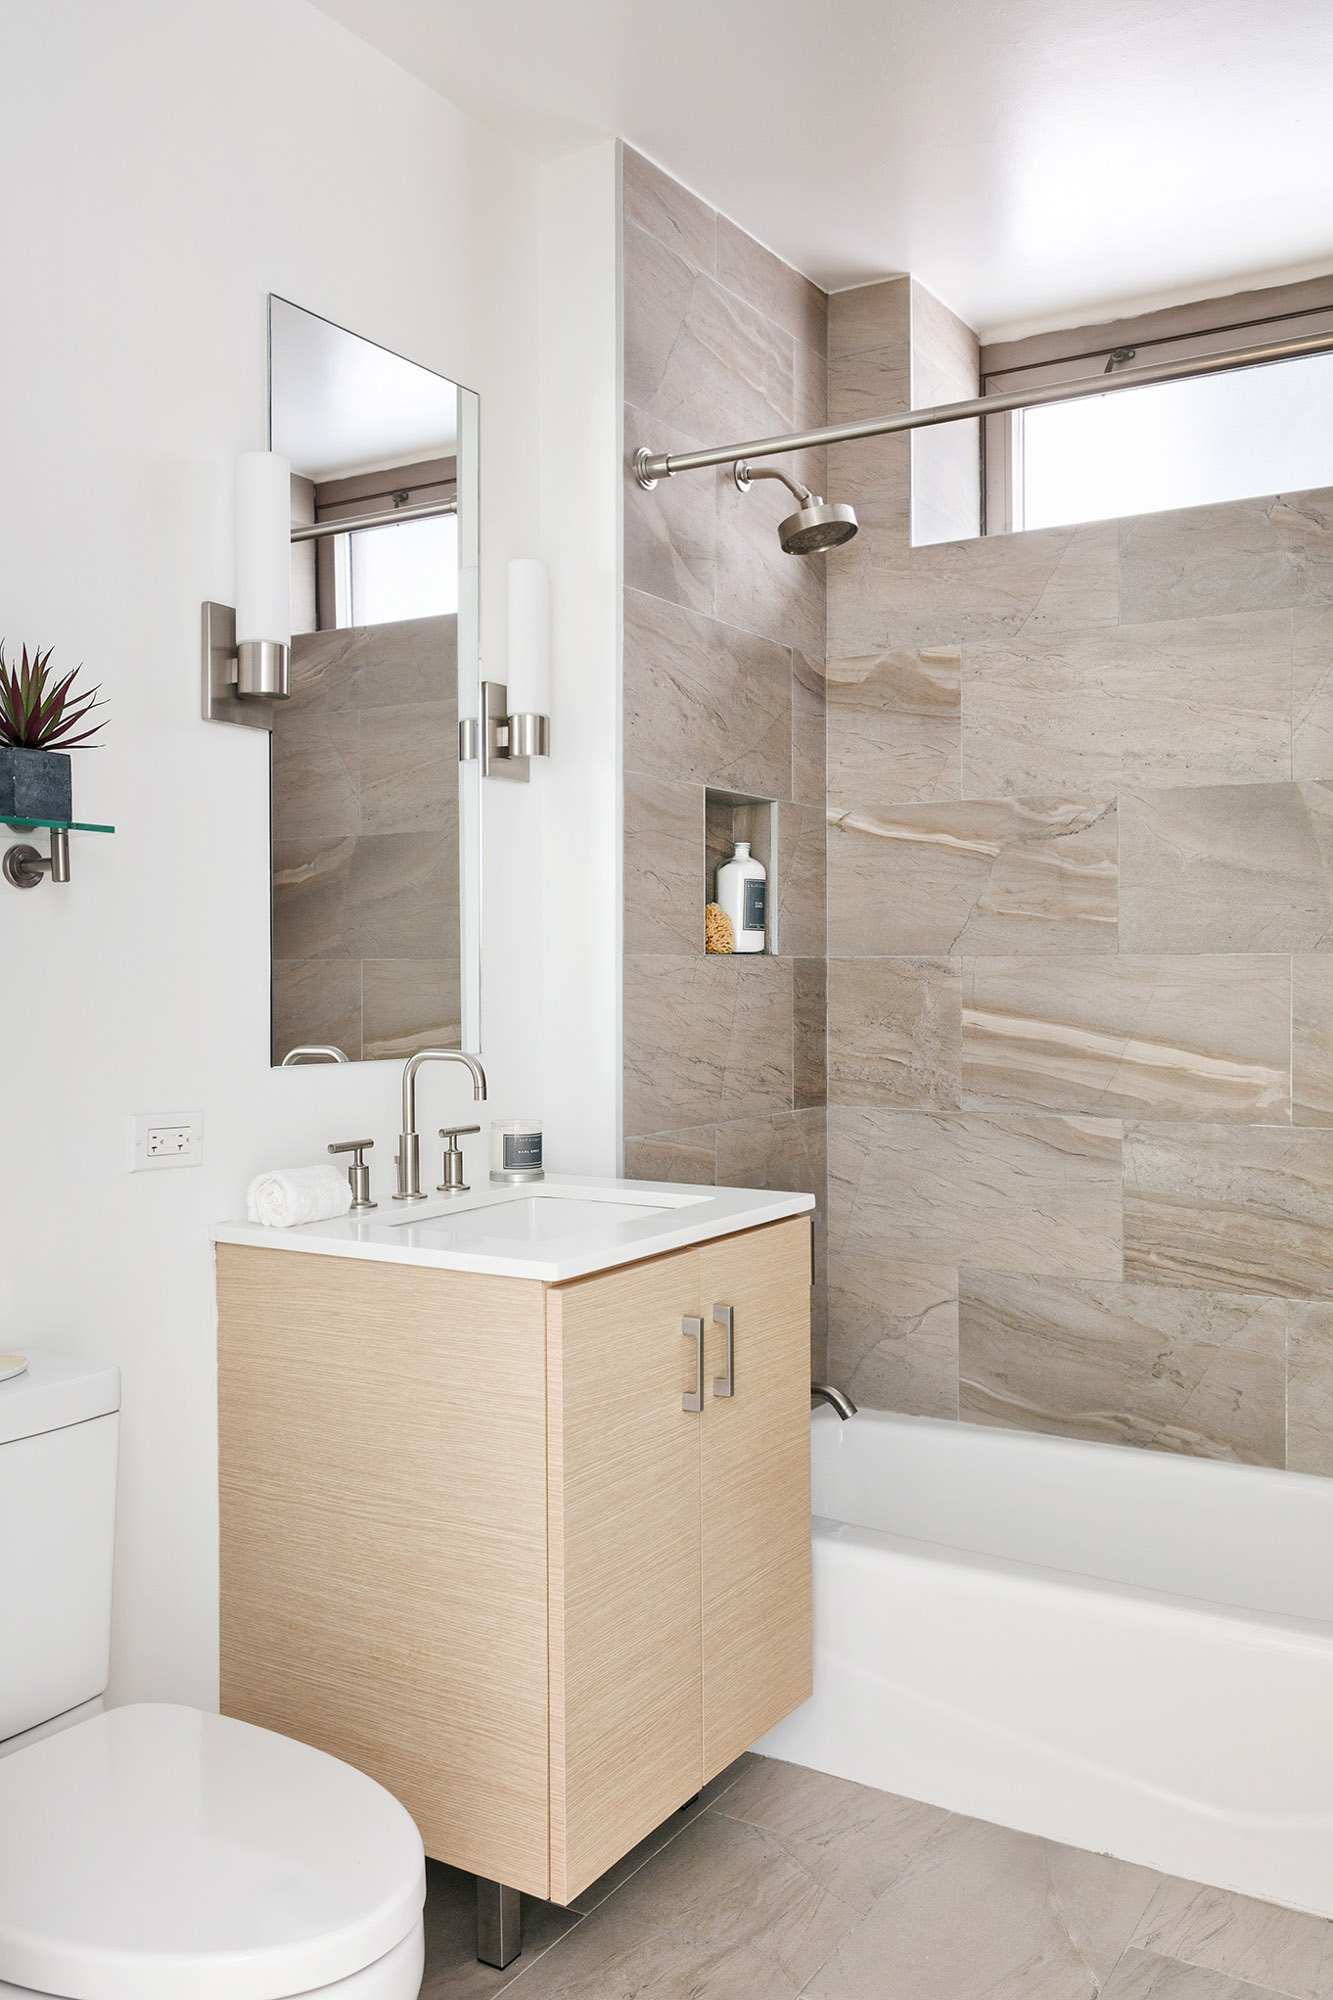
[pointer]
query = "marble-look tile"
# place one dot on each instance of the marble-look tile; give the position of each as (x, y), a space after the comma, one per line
(893, 1333)
(1188, 1037)
(1011, 1192)
(1310, 1390)
(690, 1155)
(1204, 701)
(894, 1032)
(993, 875)
(770, 286)
(1236, 868)
(1241, 1208)
(664, 888)
(409, 660)
(786, 1150)
(1199, 1373)
(704, 703)
(670, 532)
(1312, 1040)
(801, 926)
(409, 1004)
(878, 315)
(986, 1914)
(663, 208)
(1141, 1975)
(894, 727)
(809, 782)
(695, 355)
(757, 587)
(316, 772)
(1284, 1950)
(706, 1040)
(317, 1000)
(453, 1971)
(851, 1840)
(1312, 693)
(409, 767)
(870, 383)
(617, 1956)
(310, 880)
(1245, 555)
(809, 1033)
(402, 896)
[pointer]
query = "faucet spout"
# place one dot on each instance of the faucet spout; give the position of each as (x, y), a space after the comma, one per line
(824, 1392)
(409, 1145)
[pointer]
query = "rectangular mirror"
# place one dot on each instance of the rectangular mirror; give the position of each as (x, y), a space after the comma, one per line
(376, 837)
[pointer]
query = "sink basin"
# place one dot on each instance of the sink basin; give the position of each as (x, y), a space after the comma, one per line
(521, 1217)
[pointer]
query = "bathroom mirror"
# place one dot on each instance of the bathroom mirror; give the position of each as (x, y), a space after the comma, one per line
(376, 879)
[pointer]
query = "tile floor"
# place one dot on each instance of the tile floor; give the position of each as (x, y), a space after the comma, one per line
(780, 1881)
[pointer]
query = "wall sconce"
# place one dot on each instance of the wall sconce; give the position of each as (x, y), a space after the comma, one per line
(515, 719)
(246, 652)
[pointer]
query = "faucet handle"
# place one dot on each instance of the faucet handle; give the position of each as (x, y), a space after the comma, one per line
(358, 1174)
(453, 1182)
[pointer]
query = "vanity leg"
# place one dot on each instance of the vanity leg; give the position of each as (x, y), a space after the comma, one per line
(499, 1923)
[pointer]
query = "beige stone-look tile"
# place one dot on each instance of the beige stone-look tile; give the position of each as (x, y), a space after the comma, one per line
(1284, 1950)
(1204, 701)
(1189, 1037)
(1312, 693)
(663, 208)
(986, 1914)
(1242, 1208)
(317, 1000)
(409, 660)
(893, 1333)
(1312, 1040)
(809, 780)
(1310, 1390)
(878, 315)
(695, 355)
(809, 1033)
(316, 773)
(993, 875)
(786, 1151)
(770, 286)
(801, 928)
(894, 727)
(310, 883)
(409, 767)
(706, 1040)
(1141, 1975)
(1010, 1191)
(670, 532)
(1245, 555)
(1238, 868)
(615, 1955)
(757, 587)
(664, 844)
(851, 1840)
(409, 1004)
(402, 896)
(704, 703)
(894, 1032)
(1197, 1373)
(874, 474)
(689, 1155)
(453, 1971)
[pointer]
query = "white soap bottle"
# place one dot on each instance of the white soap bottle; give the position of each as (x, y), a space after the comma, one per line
(742, 891)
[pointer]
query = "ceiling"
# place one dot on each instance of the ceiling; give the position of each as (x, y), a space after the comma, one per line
(1033, 161)
(341, 404)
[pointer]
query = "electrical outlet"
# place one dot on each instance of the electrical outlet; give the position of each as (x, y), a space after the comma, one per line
(166, 1139)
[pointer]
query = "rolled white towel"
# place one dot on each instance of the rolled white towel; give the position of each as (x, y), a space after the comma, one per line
(288, 1195)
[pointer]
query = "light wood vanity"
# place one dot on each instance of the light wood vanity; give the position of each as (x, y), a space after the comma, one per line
(475, 1542)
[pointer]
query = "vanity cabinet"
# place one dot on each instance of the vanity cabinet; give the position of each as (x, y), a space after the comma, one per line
(475, 1542)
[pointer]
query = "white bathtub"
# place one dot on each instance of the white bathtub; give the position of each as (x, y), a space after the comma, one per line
(1121, 1649)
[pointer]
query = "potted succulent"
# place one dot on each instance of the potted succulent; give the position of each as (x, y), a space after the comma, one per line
(38, 712)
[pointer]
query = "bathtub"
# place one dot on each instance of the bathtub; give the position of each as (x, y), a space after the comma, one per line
(1121, 1649)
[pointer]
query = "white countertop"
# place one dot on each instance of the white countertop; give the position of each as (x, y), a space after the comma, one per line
(562, 1227)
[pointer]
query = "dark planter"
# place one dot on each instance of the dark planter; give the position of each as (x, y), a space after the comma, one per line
(34, 784)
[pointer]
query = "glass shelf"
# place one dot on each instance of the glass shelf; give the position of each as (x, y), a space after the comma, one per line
(57, 825)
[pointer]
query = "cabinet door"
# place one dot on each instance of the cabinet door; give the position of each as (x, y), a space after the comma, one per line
(626, 1672)
(756, 1488)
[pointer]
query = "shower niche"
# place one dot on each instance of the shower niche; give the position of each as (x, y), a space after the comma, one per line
(730, 817)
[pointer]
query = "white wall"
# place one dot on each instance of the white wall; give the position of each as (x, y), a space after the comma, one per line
(168, 166)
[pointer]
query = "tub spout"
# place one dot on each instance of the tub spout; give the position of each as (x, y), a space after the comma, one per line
(824, 1392)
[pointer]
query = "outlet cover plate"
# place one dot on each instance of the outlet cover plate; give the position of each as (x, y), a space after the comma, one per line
(161, 1139)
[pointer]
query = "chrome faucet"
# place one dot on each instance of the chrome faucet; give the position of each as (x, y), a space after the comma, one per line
(408, 1157)
(824, 1392)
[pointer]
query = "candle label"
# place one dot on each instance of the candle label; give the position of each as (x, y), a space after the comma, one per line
(755, 907)
(522, 1151)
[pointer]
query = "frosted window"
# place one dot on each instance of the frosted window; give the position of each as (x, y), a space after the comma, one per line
(407, 570)
(1177, 444)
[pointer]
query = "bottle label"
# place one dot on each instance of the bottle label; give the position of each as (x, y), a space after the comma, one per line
(522, 1151)
(755, 907)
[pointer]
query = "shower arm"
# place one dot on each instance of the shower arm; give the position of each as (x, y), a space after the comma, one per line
(744, 475)
(650, 466)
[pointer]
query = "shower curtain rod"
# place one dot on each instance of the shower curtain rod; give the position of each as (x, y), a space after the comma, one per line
(313, 530)
(652, 466)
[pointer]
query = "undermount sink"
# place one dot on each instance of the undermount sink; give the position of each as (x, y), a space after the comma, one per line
(519, 1216)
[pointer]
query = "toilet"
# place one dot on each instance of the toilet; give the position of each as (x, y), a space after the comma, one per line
(157, 1852)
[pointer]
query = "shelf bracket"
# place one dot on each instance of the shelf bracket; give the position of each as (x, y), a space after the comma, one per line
(24, 867)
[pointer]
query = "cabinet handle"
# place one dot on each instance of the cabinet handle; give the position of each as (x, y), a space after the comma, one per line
(725, 1385)
(693, 1399)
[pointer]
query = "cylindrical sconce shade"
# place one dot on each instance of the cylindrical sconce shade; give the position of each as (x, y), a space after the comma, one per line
(529, 664)
(263, 549)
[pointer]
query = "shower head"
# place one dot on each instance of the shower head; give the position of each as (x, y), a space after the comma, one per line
(819, 524)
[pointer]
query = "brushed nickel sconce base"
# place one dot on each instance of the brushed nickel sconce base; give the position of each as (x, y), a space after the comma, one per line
(242, 687)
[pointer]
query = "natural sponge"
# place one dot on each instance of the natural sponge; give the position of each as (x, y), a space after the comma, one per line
(718, 933)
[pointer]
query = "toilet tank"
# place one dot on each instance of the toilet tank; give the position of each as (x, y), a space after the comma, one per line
(58, 1435)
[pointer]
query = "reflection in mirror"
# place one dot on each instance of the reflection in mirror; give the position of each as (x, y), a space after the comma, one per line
(375, 840)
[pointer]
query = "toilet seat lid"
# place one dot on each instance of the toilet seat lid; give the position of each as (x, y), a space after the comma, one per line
(155, 1851)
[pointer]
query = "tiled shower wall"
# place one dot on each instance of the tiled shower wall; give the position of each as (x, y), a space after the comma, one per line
(1080, 974)
(724, 690)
